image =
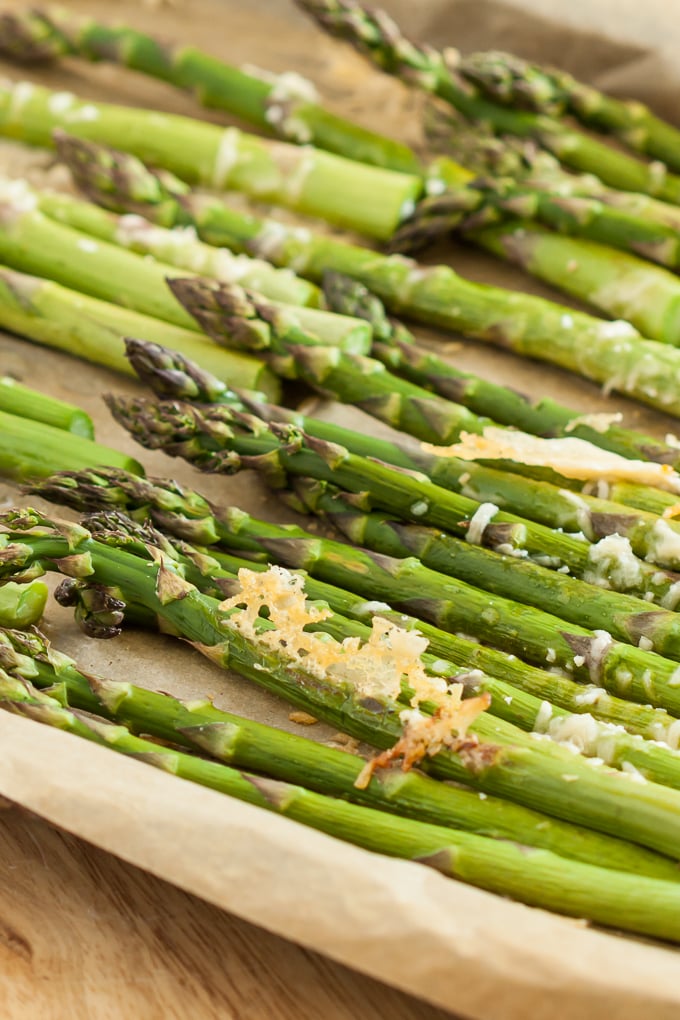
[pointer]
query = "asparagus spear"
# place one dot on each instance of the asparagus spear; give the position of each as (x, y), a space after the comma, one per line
(509, 79)
(25, 402)
(521, 580)
(31, 449)
(500, 866)
(285, 105)
(22, 604)
(222, 438)
(170, 375)
(292, 758)
(377, 36)
(368, 199)
(453, 605)
(516, 178)
(393, 345)
(280, 104)
(609, 352)
(32, 243)
(620, 285)
(186, 514)
(567, 201)
(505, 761)
(43, 311)
(515, 705)
(179, 248)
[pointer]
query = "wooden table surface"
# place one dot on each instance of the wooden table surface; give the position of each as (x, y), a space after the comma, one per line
(85, 936)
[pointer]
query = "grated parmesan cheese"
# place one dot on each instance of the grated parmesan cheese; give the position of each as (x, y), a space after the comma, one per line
(597, 422)
(388, 659)
(571, 457)
(664, 544)
(612, 560)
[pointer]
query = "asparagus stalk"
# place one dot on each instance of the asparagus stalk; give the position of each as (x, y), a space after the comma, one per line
(609, 352)
(25, 402)
(620, 285)
(179, 248)
(224, 439)
(505, 761)
(378, 37)
(291, 758)
(47, 313)
(492, 864)
(284, 105)
(31, 449)
(170, 375)
(452, 605)
(394, 346)
(32, 243)
(522, 580)
(368, 199)
(515, 705)
(186, 514)
(22, 604)
(507, 78)
(281, 104)
(567, 203)
(625, 618)
(242, 320)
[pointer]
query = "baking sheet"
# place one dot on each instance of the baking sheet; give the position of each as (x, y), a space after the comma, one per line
(466, 950)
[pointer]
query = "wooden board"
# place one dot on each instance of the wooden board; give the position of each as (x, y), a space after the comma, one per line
(85, 936)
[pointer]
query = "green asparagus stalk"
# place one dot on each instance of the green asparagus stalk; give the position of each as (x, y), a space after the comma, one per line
(31, 449)
(32, 243)
(515, 705)
(55, 316)
(377, 36)
(505, 761)
(22, 604)
(187, 515)
(521, 580)
(280, 104)
(223, 439)
(492, 157)
(368, 199)
(657, 541)
(25, 402)
(620, 285)
(500, 866)
(396, 348)
(609, 352)
(285, 756)
(284, 105)
(507, 78)
(452, 605)
(650, 500)
(242, 320)
(179, 248)
(572, 204)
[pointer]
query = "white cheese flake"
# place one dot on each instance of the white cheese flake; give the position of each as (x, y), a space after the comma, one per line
(479, 521)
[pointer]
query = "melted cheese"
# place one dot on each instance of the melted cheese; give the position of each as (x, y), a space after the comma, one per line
(570, 457)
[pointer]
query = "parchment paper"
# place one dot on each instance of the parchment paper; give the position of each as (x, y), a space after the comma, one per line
(463, 949)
